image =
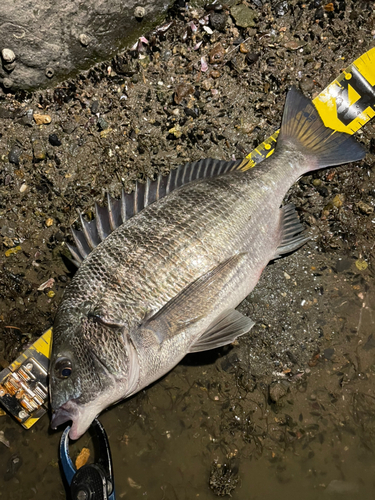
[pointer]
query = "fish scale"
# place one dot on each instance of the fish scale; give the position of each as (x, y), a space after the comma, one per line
(166, 281)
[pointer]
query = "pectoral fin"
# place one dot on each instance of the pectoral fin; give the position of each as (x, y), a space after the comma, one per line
(226, 328)
(194, 302)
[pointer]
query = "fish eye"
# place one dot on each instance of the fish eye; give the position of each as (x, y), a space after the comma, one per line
(63, 368)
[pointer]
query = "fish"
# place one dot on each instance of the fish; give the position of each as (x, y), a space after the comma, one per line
(162, 270)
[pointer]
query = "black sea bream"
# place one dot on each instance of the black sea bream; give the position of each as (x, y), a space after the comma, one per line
(161, 271)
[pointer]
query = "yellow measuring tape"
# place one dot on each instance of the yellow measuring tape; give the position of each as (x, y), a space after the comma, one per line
(345, 105)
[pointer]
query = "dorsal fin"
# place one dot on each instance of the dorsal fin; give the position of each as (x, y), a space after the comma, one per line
(107, 219)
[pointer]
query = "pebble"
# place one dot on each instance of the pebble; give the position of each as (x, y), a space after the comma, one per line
(8, 55)
(281, 8)
(102, 123)
(50, 72)
(306, 84)
(252, 57)
(27, 119)
(361, 264)
(338, 200)
(15, 154)
(94, 107)
(183, 90)
(39, 150)
(42, 119)
(10, 66)
(12, 468)
(215, 74)
(216, 54)
(365, 208)
(244, 16)
(139, 12)
(68, 126)
(176, 131)
(84, 39)
(54, 140)
(277, 391)
(218, 20)
(207, 84)
(194, 113)
(7, 83)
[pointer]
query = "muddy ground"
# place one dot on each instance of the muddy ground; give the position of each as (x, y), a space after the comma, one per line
(302, 382)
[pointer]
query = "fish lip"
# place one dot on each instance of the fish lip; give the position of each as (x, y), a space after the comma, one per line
(71, 412)
(61, 415)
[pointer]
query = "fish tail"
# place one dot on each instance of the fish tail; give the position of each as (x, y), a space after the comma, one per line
(303, 130)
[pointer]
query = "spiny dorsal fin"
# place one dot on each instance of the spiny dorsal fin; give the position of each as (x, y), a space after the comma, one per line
(107, 219)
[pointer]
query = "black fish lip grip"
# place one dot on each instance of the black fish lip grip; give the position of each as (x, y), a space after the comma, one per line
(91, 481)
(345, 105)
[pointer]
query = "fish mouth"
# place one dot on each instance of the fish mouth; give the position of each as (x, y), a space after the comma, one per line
(71, 412)
(60, 416)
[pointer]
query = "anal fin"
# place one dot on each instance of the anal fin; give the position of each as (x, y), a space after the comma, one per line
(224, 330)
(293, 234)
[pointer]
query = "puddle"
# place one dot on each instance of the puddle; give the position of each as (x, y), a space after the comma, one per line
(306, 425)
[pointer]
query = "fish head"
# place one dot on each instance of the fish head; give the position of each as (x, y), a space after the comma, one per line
(93, 365)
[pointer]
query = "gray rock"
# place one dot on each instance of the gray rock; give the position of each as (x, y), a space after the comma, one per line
(243, 16)
(15, 154)
(51, 41)
(218, 20)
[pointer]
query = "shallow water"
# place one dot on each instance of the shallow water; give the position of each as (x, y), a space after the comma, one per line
(317, 439)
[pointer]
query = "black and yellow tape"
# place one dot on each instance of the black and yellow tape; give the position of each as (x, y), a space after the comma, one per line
(345, 105)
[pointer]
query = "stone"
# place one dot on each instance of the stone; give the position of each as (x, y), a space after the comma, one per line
(7, 83)
(139, 12)
(84, 39)
(41, 119)
(218, 20)
(8, 56)
(52, 41)
(15, 154)
(244, 16)
(277, 390)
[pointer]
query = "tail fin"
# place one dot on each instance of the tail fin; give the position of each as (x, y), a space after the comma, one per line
(303, 127)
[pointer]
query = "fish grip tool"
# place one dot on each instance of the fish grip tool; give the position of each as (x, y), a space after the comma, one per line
(91, 481)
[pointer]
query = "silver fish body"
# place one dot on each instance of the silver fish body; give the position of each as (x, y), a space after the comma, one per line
(167, 281)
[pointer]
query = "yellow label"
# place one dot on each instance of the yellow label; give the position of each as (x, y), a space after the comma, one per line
(42, 345)
(30, 422)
